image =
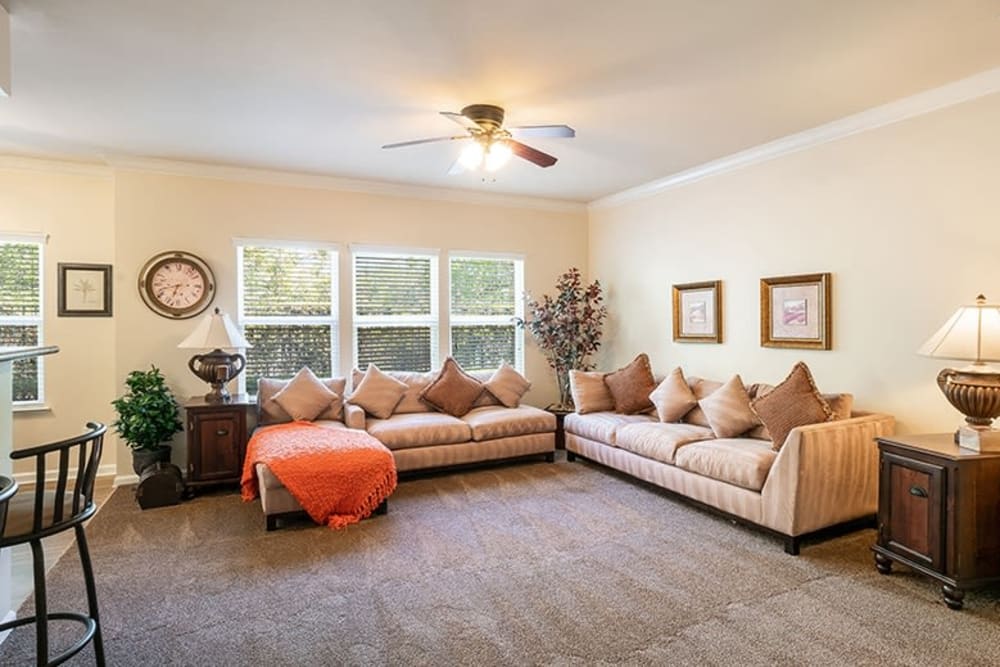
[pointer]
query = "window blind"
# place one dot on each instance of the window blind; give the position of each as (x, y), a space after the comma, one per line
(484, 295)
(21, 312)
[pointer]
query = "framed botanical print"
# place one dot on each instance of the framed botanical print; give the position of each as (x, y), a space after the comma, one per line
(795, 312)
(84, 290)
(698, 312)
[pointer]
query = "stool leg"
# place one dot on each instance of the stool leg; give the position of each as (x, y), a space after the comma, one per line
(41, 604)
(88, 577)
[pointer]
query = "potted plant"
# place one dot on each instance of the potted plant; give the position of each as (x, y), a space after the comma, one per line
(567, 328)
(147, 418)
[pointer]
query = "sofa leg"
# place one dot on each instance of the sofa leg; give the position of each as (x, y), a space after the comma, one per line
(570, 456)
(270, 522)
(550, 457)
(383, 508)
(792, 546)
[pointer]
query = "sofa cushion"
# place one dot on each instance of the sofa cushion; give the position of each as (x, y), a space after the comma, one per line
(415, 383)
(740, 461)
(377, 393)
(728, 409)
(794, 402)
(490, 423)
(673, 398)
(631, 386)
(507, 385)
(659, 441)
(701, 388)
(589, 392)
(601, 426)
(304, 397)
(453, 390)
(419, 429)
(270, 412)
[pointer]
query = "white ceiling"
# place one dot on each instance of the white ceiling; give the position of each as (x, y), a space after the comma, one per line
(653, 87)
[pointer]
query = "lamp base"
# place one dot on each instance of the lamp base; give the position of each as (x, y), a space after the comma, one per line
(978, 439)
(217, 368)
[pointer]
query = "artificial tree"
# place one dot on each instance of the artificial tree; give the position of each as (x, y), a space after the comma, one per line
(567, 328)
(147, 417)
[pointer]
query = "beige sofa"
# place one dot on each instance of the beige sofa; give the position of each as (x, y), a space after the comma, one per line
(823, 475)
(419, 437)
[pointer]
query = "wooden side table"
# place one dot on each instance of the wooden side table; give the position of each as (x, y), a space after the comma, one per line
(560, 432)
(216, 440)
(939, 512)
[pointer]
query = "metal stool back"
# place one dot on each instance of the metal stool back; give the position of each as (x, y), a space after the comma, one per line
(52, 508)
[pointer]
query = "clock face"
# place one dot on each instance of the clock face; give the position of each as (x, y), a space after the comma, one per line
(176, 284)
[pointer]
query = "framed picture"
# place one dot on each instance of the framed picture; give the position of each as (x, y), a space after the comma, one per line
(795, 312)
(698, 312)
(84, 290)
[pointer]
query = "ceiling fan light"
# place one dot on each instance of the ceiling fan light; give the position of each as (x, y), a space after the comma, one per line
(471, 156)
(498, 155)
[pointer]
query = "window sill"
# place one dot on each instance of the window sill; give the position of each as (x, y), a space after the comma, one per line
(30, 407)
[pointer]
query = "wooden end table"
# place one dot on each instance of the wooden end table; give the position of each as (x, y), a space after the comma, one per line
(216, 440)
(560, 432)
(939, 512)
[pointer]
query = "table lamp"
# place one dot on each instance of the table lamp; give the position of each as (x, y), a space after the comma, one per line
(214, 332)
(972, 334)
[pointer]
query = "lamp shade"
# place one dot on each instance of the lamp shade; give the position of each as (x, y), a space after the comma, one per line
(972, 333)
(215, 331)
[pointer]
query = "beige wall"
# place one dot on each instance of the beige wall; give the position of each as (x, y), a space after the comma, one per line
(156, 212)
(905, 217)
(74, 207)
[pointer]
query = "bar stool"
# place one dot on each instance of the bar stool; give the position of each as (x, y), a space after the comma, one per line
(32, 517)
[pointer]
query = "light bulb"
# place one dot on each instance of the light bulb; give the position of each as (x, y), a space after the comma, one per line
(471, 156)
(498, 155)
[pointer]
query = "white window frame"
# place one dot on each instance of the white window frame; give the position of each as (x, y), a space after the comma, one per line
(332, 321)
(493, 320)
(431, 320)
(31, 320)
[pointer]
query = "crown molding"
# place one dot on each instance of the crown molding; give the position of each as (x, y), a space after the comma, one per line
(957, 92)
(61, 166)
(321, 182)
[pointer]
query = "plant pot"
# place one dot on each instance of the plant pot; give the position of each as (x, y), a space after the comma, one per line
(143, 458)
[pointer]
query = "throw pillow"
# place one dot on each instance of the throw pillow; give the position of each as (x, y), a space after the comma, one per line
(794, 402)
(673, 397)
(453, 390)
(378, 393)
(589, 392)
(702, 389)
(304, 397)
(631, 386)
(507, 385)
(728, 409)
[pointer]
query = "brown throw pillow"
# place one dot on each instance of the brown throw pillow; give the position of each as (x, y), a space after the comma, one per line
(304, 397)
(589, 392)
(728, 409)
(794, 402)
(673, 397)
(378, 393)
(453, 390)
(631, 386)
(507, 385)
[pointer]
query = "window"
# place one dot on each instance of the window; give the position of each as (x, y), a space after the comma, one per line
(21, 311)
(396, 310)
(485, 299)
(287, 308)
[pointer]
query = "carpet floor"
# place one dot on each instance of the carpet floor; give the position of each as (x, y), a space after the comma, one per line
(564, 564)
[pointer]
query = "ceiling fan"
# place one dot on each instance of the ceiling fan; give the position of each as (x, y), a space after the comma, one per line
(493, 144)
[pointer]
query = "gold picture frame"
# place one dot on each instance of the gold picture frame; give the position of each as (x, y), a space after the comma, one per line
(697, 312)
(795, 312)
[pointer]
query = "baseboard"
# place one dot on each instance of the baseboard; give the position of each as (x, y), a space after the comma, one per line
(11, 615)
(125, 480)
(28, 478)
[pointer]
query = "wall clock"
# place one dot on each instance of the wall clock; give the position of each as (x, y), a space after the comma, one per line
(176, 284)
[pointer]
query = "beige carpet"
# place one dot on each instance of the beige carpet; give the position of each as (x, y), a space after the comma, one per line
(526, 564)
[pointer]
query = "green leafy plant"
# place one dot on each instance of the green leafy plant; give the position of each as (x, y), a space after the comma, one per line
(567, 328)
(147, 413)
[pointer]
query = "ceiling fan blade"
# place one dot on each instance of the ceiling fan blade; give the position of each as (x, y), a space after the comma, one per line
(464, 121)
(422, 141)
(559, 131)
(531, 154)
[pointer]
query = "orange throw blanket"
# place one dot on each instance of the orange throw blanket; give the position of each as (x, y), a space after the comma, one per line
(339, 477)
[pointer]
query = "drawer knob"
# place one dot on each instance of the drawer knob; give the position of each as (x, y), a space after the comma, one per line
(225, 431)
(918, 491)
